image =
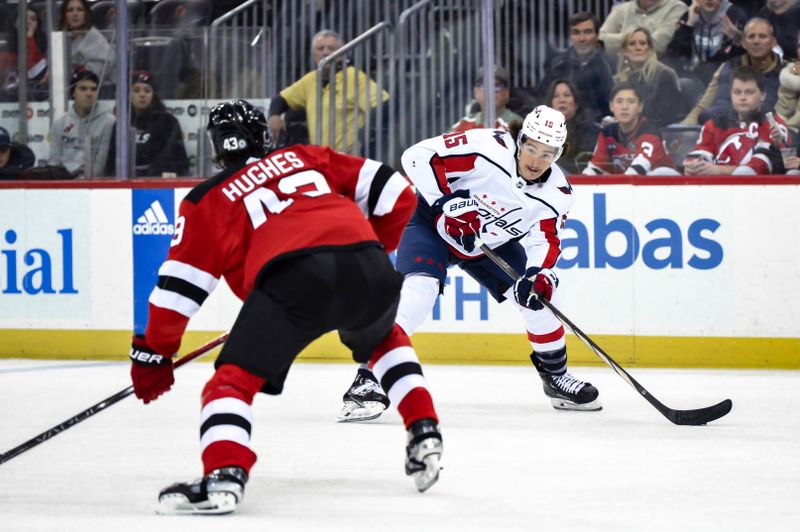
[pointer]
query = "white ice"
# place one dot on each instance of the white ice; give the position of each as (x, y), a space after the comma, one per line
(511, 461)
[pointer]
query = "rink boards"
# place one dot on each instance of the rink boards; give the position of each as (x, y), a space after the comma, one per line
(659, 272)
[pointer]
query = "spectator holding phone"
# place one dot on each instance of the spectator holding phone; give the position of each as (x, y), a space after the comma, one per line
(746, 141)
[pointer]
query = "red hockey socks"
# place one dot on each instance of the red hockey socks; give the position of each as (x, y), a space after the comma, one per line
(397, 368)
(226, 418)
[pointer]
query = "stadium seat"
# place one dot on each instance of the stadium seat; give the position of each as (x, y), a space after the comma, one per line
(180, 13)
(691, 90)
(679, 140)
(103, 13)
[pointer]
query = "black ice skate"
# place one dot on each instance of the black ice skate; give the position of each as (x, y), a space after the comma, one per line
(216, 493)
(566, 392)
(423, 453)
(364, 400)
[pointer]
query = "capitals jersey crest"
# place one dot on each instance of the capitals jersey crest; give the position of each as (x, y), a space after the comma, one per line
(510, 208)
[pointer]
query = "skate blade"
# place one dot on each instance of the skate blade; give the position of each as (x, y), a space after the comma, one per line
(217, 504)
(563, 404)
(427, 478)
(366, 411)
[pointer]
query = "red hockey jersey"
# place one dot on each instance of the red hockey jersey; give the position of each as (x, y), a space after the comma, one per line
(291, 202)
(637, 152)
(727, 140)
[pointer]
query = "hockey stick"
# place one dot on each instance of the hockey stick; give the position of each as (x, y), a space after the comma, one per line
(102, 405)
(698, 416)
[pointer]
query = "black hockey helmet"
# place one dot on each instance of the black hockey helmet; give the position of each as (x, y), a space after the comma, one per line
(238, 129)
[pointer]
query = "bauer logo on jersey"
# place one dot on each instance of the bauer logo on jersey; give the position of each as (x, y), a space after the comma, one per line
(153, 221)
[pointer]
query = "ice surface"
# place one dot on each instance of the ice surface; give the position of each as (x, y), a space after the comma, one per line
(511, 461)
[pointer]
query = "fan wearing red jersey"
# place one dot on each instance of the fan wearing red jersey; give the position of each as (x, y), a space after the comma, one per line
(743, 142)
(631, 145)
(301, 235)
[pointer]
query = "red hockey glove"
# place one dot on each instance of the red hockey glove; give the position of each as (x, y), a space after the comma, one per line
(151, 373)
(461, 219)
(535, 284)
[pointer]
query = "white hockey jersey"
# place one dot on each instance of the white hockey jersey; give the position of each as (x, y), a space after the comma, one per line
(483, 162)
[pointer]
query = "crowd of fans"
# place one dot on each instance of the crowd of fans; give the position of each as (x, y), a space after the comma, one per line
(726, 69)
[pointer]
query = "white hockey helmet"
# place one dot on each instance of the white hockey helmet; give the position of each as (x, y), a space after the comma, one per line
(546, 125)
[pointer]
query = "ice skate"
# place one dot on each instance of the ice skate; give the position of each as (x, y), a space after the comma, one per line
(567, 392)
(364, 400)
(219, 492)
(424, 453)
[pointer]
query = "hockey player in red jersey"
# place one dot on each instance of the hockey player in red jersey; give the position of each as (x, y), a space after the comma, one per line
(631, 145)
(300, 234)
(743, 142)
(513, 195)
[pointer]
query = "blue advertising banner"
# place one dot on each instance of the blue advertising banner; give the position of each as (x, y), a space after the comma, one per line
(153, 223)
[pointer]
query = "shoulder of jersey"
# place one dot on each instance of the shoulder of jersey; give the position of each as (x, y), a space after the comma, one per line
(199, 191)
(493, 143)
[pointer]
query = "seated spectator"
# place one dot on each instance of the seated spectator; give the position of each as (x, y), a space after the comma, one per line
(503, 115)
(758, 42)
(657, 82)
(80, 139)
(660, 17)
(585, 64)
(159, 139)
(581, 129)
(784, 15)
(788, 106)
(706, 36)
(742, 141)
(37, 59)
(632, 144)
(792, 164)
(14, 157)
(302, 94)
(87, 46)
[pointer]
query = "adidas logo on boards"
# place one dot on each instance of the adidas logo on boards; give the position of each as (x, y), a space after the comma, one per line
(154, 221)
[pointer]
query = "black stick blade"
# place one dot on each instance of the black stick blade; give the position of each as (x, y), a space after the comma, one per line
(700, 416)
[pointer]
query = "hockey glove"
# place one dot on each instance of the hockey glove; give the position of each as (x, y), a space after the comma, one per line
(461, 219)
(535, 284)
(151, 373)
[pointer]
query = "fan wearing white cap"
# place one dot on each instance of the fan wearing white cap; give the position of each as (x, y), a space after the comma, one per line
(510, 193)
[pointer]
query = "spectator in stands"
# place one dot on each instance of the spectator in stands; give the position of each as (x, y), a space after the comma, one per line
(758, 42)
(302, 94)
(80, 139)
(503, 115)
(585, 64)
(788, 106)
(87, 46)
(581, 129)
(632, 144)
(37, 59)
(14, 157)
(657, 82)
(741, 141)
(706, 36)
(660, 17)
(750, 7)
(784, 15)
(159, 139)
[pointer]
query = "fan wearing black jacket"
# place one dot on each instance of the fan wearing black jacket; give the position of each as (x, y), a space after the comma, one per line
(159, 139)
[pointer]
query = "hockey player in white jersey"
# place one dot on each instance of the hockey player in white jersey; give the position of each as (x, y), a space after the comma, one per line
(513, 195)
